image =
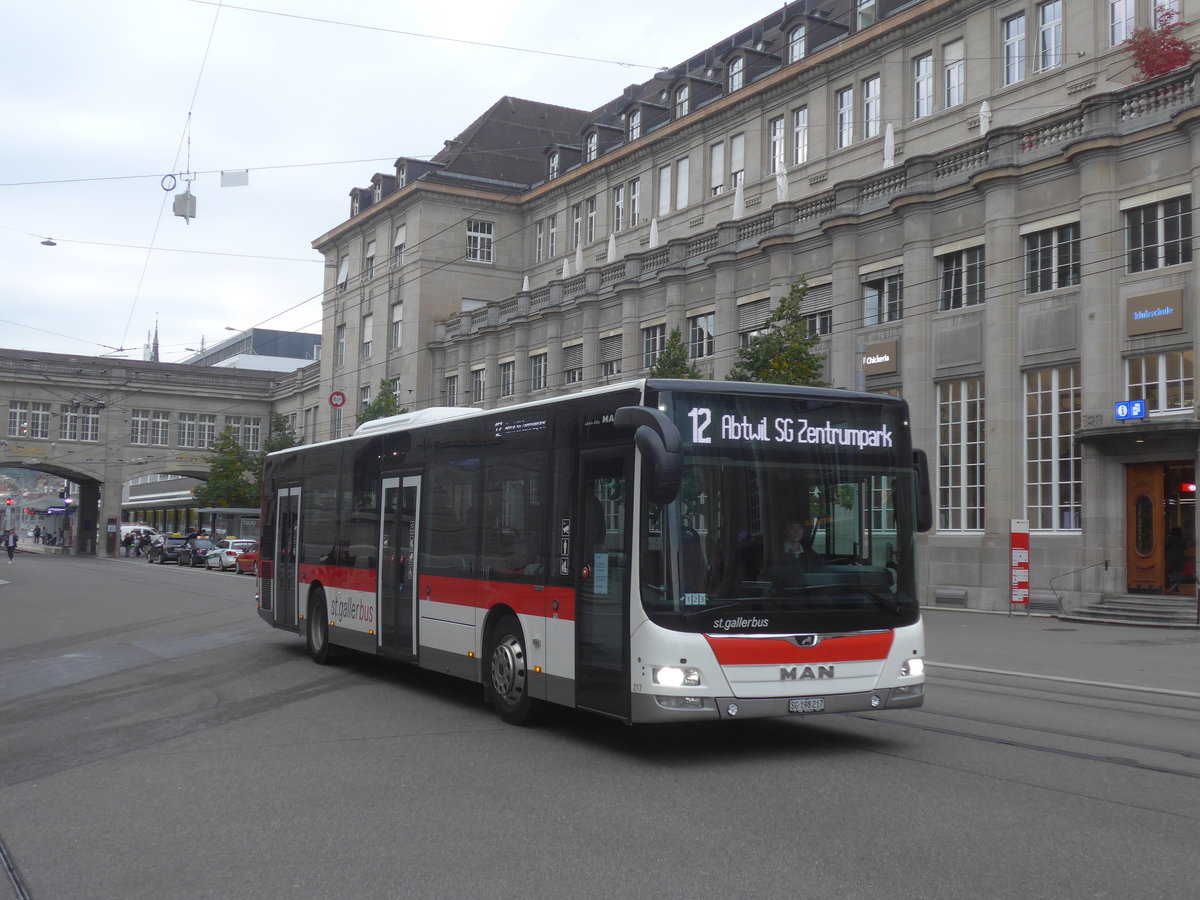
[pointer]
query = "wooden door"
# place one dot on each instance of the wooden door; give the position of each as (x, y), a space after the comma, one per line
(1144, 527)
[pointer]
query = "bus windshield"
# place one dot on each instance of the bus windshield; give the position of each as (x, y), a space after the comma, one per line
(793, 516)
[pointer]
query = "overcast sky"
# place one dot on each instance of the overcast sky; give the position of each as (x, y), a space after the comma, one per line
(94, 112)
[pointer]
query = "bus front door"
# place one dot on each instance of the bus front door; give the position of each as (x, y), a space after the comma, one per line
(397, 567)
(287, 546)
(602, 579)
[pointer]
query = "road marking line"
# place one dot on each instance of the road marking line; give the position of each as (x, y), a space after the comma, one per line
(1104, 684)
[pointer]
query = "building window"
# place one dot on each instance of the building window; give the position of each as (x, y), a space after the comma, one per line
(962, 279)
(795, 41)
(39, 422)
(480, 237)
(451, 391)
(610, 355)
(573, 364)
(478, 385)
(368, 333)
(682, 93)
(247, 430)
(1050, 34)
(1053, 458)
(820, 322)
(78, 422)
(1052, 259)
(335, 422)
(1014, 49)
(396, 329)
(845, 117)
(576, 224)
(737, 71)
(369, 261)
(654, 341)
(954, 74)
(716, 169)
(872, 115)
(800, 136)
(508, 378)
(635, 124)
(883, 300)
(1120, 21)
(737, 160)
(961, 455)
(775, 145)
(398, 246)
(1162, 7)
(343, 274)
(18, 419)
(553, 165)
(591, 147)
(618, 207)
(681, 183)
(635, 202)
(923, 86)
(364, 397)
(1159, 234)
(197, 430)
(33, 420)
(752, 317)
(552, 235)
(590, 220)
(339, 353)
(664, 190)
(1164, 381)
(539, 240)
(868, 15)
(701, 335)
(537, 372)
(309, 433)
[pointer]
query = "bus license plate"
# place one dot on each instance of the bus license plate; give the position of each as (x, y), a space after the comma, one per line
(807, 705)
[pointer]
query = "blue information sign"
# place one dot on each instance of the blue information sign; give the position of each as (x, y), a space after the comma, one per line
(1129, 409)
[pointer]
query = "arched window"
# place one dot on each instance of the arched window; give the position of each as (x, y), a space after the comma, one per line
(796, 43)
(592, 147)
(554, 164)
(635, 124)
(736, 72)
(681, 101)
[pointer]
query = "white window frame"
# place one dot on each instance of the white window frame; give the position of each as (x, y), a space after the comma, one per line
(923, 86)
(883, 299)
(1053, 458)
(1158, 235)
(481, 238)
(961, 465)
(776, 145)
(368, 337)
(702, 340)
(635, 202)
(618, 208)
(844, 103)
(795, 43)
(1050, 35)
(396, 327)
(1013, 30)
(872, 106)
(654, 341)
(664, 189)
(1165, 381)
(635, 124)
(682, 182)
(954, 75)
(538, 365)
(800, 136)
(963, 278)
(1122, 19)
(737, 74)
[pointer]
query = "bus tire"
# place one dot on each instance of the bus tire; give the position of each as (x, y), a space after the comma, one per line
(508, 682)
(317, 633)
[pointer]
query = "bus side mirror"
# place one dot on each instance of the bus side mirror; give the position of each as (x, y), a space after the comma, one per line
(924, 494)
(662, 450)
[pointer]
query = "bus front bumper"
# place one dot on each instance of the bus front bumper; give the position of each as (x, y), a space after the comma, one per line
(651, 708)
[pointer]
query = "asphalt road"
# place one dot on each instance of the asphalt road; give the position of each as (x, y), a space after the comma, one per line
(157, 740)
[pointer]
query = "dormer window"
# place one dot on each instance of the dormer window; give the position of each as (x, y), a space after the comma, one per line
(401, 175)
(554, 165)
(377, 192)
(635, 124)
(868, 15)
(796, 38)
(591, 147)
(737, 71)
(682, 93)
(354, 204)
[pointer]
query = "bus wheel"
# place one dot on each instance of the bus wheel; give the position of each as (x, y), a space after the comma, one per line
(507, 679)
(318, 629)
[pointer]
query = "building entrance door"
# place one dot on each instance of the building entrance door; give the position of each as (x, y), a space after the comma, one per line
(1158, 497)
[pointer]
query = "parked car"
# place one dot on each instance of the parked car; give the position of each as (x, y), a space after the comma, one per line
(224, 555)
(194, 551)
(165, 548)
(247, 563)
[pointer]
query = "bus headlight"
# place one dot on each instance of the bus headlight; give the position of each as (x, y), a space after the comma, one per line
(914, 666)
(676, 676)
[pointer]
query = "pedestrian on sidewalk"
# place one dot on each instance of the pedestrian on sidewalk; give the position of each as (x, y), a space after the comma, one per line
(10, 543)
(37, 534)
(1174, 551)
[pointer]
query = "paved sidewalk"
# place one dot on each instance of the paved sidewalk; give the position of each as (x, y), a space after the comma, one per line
(1163, 658)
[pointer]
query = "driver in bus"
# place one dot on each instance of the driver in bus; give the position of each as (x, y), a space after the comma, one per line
(797, 544)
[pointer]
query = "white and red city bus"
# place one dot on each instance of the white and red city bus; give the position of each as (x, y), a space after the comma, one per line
(655, 551)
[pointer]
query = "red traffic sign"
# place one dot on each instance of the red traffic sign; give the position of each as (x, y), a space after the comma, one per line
(337, 398)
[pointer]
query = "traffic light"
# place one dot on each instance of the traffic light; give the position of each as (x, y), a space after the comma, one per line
(8, 502)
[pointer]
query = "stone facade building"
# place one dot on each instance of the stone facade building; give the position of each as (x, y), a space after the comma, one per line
(991, 212)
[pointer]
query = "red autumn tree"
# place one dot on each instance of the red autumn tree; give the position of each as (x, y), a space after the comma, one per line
(1159, 50)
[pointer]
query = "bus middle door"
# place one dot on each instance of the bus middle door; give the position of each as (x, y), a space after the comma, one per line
(397, 567)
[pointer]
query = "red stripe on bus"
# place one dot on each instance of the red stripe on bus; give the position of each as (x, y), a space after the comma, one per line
(343, 577)
(526, 599)
(742, 651)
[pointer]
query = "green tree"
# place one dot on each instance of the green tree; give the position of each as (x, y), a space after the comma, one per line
(279, 436)
(385, 404)
(673, 362)
(235, 476)
(784, 352)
